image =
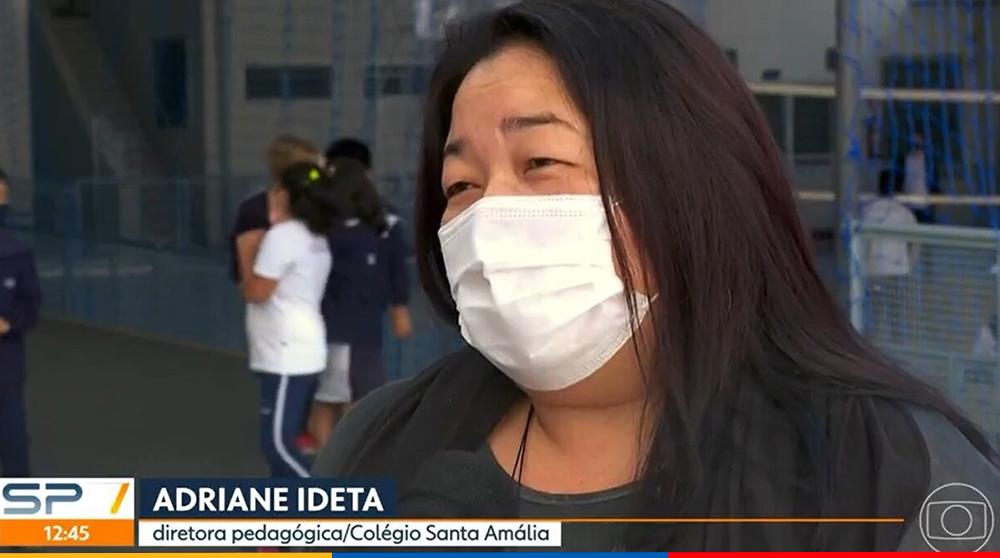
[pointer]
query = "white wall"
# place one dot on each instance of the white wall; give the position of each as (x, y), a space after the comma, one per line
(794, 35)
(694, 9)
(15, 89)
(259, 37)
(790, 35)
(128, 31)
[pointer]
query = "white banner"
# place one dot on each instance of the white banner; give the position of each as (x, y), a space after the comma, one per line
(349, 533)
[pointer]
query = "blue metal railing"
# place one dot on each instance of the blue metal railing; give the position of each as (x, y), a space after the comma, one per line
(158, 265)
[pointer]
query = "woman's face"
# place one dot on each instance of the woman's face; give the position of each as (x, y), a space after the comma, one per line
(515, 131)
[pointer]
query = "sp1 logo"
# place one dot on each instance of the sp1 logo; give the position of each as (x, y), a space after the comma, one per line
(28, 498)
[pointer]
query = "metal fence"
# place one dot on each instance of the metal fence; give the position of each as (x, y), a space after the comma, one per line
(151, 257)
(934, 307)
(149, 254)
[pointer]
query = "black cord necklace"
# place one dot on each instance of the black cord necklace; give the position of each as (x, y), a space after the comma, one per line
(518, 471)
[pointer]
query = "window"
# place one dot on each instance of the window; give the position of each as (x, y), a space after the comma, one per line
(288, 82)
(902, 118)
(813, 126)
(391, 80)
(771, 106)
(832, 59)
(170, 84)
(263, 83)
(310, 83)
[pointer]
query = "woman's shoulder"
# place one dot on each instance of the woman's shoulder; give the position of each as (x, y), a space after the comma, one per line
(946, 444)
(952, 456)
(350, 431)
(386, 402)
(289, 227)
(959, 474)
(296, 232)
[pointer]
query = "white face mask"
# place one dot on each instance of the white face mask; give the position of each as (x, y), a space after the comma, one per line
(535, 284)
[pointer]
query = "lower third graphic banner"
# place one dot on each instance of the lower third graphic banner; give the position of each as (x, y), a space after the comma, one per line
(349, 533)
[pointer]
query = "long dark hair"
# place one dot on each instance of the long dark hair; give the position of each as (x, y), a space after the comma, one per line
(313, 197)
(680, 141)
(362, 199)
(350, 148)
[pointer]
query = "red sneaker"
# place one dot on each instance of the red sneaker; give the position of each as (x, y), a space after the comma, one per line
(305, 444)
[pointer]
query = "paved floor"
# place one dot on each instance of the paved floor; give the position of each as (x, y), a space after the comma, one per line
(107, 404)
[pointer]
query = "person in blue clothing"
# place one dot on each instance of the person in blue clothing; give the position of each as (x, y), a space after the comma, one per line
(369, 277)
(20, 300)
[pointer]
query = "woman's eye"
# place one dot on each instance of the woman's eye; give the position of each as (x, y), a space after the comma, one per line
(456, 189)
(540, 162)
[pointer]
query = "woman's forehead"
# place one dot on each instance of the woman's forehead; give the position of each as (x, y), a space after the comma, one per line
(519, 79)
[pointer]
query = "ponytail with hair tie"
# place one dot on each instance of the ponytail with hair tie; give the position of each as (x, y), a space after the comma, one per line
(313, 198)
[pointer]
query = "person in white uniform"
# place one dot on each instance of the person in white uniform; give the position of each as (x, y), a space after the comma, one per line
(283, 290)
(919, 178)
(887, 261)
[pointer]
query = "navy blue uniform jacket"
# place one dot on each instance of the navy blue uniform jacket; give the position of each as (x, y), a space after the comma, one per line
(251, 215)
(369, 274)
(20, 302)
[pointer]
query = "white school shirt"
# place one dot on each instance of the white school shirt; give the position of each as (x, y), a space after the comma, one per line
(286, 332)
(886, 257)
(915, 179)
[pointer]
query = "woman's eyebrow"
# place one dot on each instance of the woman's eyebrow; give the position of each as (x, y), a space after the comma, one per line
(510, 124)
(520, 122)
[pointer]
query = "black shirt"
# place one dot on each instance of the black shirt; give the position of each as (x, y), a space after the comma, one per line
(952, 459)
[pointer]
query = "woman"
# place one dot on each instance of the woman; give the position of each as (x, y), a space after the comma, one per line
(603, 212)
(251, 216)
(369, 278)
(283, 289)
